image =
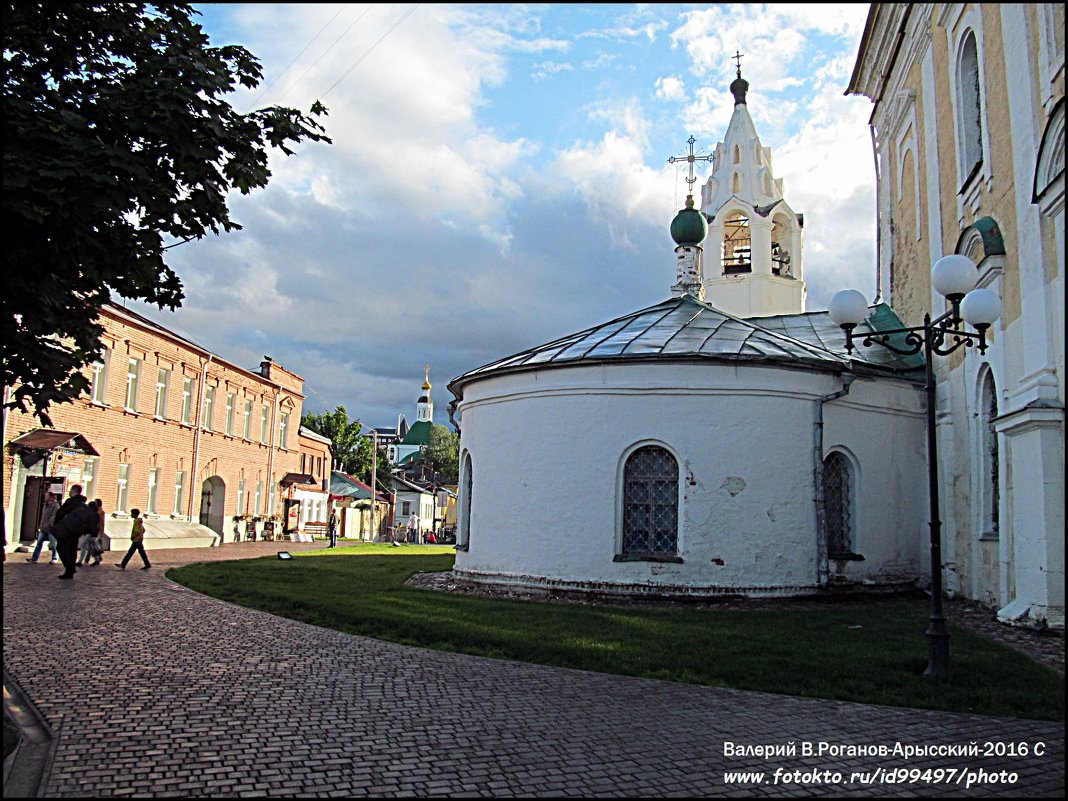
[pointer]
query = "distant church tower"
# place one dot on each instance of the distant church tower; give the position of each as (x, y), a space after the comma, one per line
(424, 409)
(752, 256)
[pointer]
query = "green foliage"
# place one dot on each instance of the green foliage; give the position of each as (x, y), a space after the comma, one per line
(868, 652)
(116, 135)
(352, 450)
(443, 452)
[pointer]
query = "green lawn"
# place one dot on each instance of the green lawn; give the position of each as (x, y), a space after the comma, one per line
(872, 653)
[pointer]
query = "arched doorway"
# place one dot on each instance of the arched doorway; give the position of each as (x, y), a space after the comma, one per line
(212, 504)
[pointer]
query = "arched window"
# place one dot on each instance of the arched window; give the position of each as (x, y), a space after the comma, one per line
(988, 454)
(737, 157)
(838, 501)
(650, 503)
(736, 183)
(737, 245)
(969, 125)
(463, 538)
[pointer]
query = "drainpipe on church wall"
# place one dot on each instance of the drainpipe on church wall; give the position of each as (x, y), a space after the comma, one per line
(194, 479)
(878, 220)
(822, 564)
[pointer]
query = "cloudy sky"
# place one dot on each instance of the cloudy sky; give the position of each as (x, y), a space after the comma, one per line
(499, 177)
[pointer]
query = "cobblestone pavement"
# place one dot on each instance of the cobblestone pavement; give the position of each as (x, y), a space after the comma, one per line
(164, 692)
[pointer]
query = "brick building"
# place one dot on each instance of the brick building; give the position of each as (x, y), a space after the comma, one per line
(169, 428)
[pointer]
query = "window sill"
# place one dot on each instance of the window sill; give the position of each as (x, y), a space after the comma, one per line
(989, 536)
(463, 547)
(647, 558)
(99, 404)
(129, 411)
(845, 556)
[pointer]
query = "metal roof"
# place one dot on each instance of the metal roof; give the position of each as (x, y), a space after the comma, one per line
(47, 439)
(687, 329)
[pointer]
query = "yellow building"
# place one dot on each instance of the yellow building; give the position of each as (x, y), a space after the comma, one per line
(968, 129)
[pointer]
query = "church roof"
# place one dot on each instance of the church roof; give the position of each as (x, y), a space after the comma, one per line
(687, 329)
(418, 434)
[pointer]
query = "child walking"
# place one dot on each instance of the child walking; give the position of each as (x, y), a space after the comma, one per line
(137, 538)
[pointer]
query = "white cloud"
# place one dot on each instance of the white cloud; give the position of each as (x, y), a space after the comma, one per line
(670, 87)
(466, 211)
(548, 68)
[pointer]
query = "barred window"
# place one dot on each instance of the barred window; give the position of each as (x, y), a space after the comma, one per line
(650, 503)
(838, 500)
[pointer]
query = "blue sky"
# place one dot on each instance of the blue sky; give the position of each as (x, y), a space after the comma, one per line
(499, 177)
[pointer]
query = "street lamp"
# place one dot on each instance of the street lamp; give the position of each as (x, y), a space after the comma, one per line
(953, 277)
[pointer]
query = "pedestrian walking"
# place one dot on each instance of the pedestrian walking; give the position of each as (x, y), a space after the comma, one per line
(98, 541)
(333, 528)
(74, 518)
(137, 539)
(44, 530)
(90, 541)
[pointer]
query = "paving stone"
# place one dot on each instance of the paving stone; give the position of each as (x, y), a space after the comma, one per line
(179, 694)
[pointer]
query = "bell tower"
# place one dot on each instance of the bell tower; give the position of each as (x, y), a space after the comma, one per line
(424, 408)
(753, 253)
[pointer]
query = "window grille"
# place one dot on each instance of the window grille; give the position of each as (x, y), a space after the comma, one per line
(650, 503)
(838, 502)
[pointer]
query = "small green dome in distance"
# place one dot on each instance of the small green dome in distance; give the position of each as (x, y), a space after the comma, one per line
(689, 226)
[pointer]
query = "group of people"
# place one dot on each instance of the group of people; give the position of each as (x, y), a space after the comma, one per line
(75, 533)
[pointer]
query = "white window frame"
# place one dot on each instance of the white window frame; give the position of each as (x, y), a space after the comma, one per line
(189, 386)
(122, 495)
(133, 378)
(153, 491)
(259, 499)
(283, 430)
(163, 385)
(179, 492)
(264, 423)
(209, 408)
(99, 391)
(241, 496)
(231, 399)
(89, 477)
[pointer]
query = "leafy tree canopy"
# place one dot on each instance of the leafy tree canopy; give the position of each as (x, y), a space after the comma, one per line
(443, 452)
(352, 451)
(351, 447)
(116, 136)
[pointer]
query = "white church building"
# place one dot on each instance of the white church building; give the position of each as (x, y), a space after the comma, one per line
(720, 442)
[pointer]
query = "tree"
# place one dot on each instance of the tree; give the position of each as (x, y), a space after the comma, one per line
(443, 452)
(352, 450)
(116, 136)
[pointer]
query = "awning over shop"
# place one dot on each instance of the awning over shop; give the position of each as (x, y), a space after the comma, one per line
(45, 439)
(298, 478)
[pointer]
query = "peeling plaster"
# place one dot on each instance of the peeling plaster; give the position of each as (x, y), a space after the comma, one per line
(733, 485)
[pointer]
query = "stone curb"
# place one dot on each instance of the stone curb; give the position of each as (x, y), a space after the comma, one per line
(26, 769)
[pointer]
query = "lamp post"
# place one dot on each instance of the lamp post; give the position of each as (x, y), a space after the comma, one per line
(954, 278)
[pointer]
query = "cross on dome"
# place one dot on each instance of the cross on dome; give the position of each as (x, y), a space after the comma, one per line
(691, 159)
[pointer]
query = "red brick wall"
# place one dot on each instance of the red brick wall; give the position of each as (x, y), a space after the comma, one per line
(143, 441)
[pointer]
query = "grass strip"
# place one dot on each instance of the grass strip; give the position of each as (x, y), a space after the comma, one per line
(870, 653)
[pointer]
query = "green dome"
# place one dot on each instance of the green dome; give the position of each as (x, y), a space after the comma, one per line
(689, 226)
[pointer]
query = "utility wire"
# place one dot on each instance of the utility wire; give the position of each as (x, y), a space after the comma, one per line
(331, 47)
(297, 56)
(367, 52)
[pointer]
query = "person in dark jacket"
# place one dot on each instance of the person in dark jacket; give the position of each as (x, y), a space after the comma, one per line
(73, 519)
